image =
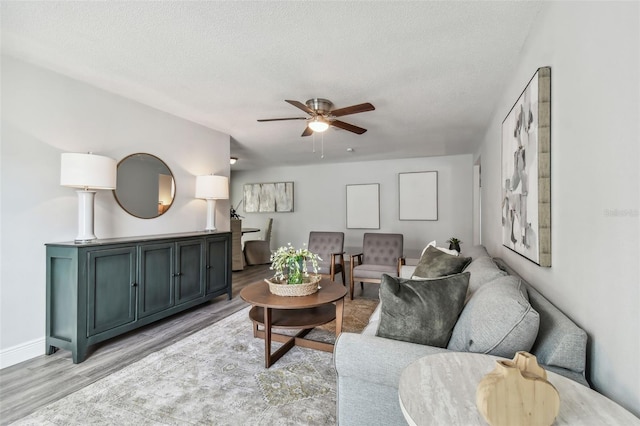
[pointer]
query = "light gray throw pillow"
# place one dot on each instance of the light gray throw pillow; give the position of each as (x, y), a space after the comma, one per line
(421, 311)
(482, 270)
(497, 320)
(435, 263)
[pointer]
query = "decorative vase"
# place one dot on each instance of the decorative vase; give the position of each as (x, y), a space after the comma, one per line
(309, 285)
(454, 246)
(295, 275)
(517, 393)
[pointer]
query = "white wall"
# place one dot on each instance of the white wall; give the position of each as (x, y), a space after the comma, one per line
(45, 114)
(593, 51)
(320, 200)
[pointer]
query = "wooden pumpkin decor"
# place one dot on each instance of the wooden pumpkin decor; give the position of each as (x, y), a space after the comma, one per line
(517, 393)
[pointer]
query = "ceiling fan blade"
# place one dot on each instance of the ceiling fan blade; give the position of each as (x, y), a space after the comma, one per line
(282, 119)
(301, 106)
(353, 109)
(347, 126)
(307, 131)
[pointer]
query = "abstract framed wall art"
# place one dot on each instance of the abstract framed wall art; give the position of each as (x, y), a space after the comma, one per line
(418, 195)
(526, 172)
(268, 197)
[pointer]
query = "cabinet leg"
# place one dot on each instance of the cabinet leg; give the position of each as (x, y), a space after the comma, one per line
(79, 354)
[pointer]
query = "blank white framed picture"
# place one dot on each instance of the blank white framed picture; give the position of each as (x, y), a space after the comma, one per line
(363, 206)
(418, 195)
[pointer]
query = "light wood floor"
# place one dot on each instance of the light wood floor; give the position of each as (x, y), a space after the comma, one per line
(32, 384)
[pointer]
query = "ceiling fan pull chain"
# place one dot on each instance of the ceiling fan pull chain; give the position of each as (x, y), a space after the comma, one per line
(322, 155)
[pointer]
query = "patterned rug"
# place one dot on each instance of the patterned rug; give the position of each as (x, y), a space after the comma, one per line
(214, 377)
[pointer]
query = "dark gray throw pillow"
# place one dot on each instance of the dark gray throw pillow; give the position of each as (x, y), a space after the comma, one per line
(421, 311)
(435, 263)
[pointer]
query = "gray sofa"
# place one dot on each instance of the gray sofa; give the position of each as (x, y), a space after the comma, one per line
(369, 367)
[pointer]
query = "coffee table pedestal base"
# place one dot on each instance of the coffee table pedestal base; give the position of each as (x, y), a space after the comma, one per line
(304, 319)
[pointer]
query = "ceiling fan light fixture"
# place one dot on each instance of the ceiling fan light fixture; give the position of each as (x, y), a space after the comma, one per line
(318, 125)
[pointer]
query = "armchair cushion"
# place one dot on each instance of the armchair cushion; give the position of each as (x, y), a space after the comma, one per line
(435, 263)
(374, 271)
(326, 244)
(382, 249)
(421, 311)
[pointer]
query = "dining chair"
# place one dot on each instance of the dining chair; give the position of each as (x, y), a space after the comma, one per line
(237, 256)
(330, 247)
(381, 254)
(258, 252)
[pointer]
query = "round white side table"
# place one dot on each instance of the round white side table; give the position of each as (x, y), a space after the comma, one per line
(441, 389)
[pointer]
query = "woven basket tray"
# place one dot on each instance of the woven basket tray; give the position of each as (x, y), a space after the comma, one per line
(303, 289)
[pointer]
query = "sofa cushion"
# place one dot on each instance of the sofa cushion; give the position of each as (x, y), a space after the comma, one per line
(482, 270)
(423, 311)
(475, 252)
(560, 342)
(435, 263)
(497, 320)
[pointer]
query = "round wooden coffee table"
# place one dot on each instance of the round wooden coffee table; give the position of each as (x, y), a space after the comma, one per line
(303, 312)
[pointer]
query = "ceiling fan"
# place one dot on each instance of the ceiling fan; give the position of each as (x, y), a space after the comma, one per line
(322, 115)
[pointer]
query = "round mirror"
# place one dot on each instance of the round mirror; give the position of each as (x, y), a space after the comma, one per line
(145, 186)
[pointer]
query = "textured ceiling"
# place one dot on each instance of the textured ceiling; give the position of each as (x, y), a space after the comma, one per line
(433, 70)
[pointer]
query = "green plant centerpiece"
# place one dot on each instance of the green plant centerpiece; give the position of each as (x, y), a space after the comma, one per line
(292, 277)
(454, 244)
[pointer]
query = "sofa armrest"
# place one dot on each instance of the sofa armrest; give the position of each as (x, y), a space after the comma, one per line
(376, 359)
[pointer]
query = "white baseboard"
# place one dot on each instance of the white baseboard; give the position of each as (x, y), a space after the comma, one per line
(22, 352)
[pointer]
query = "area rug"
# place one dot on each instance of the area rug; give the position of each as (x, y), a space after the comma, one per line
(214, 377)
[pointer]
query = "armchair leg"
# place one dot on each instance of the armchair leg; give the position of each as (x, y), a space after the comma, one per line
(351, 279)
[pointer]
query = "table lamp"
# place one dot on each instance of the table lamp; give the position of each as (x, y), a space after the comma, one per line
(88, 172)
(212, 188)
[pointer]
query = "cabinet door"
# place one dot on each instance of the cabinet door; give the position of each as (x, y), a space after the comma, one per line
(111, 289)
(218, 264)
(189, 271)
(156, 278)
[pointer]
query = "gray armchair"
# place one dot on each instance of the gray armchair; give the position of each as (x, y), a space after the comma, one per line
(258, 252)
(381, 254)
(330, 247)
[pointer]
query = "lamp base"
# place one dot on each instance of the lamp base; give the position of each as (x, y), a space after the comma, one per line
(85, 216)
(211, 215)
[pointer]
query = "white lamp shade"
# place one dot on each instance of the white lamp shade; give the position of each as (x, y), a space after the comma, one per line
(87, 171)
(212, 187)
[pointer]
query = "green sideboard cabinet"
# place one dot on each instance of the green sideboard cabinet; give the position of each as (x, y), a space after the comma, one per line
(101, 289)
